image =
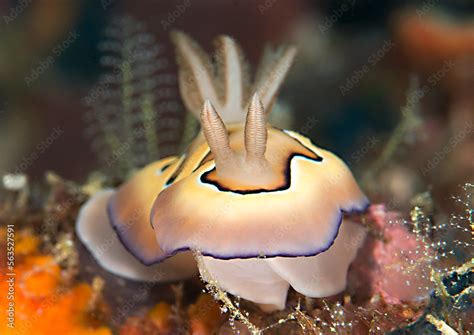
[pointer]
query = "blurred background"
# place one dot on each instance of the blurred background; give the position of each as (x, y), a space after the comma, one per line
(369, 75)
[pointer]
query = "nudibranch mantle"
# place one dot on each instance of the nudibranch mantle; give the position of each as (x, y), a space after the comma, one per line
(262, 206)
(246, 223)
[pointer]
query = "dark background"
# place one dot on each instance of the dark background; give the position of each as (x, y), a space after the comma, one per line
(30, 31)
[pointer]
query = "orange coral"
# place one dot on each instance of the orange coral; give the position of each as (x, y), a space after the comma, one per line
(41, 305)
(26, 243)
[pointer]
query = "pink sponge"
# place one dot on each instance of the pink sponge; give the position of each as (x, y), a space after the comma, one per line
(391, 262)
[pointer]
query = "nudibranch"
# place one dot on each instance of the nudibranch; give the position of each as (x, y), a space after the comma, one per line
(263, 207)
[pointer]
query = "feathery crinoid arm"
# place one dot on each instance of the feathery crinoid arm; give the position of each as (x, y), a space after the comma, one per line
(224, 78)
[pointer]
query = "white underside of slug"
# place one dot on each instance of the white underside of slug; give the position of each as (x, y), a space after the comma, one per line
(95, 231)
(266, 281)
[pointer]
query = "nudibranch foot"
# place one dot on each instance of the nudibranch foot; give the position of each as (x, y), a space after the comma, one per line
(326, 273)
(266, 280)
(251, 279)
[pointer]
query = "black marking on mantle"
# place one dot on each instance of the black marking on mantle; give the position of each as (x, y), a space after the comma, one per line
(286, 184)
